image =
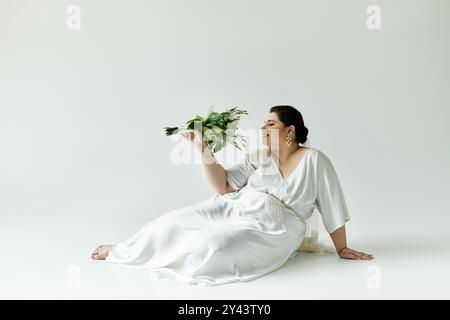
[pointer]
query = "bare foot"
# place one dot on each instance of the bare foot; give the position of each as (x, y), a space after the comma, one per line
(101, 252)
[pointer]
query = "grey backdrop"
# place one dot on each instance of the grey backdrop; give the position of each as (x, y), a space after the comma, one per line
(82, 111)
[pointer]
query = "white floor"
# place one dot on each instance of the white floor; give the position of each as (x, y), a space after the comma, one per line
(49, 258)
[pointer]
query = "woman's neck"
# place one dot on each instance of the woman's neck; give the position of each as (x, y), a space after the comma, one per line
(284, 153)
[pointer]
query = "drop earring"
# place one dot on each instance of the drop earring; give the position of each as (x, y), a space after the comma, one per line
(289, 139)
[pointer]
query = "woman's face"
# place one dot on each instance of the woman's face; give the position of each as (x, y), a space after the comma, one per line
(274, 131)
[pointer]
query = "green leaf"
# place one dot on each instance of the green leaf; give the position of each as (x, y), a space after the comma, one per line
(220, 128)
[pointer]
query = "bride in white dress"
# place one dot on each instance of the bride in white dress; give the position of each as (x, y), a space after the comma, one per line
(255, 221)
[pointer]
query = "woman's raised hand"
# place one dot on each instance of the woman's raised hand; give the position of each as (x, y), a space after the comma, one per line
(195, 137)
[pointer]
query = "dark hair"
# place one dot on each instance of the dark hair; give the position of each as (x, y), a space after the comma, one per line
(291, 116)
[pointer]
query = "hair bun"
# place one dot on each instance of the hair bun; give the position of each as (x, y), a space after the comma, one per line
(302, 135)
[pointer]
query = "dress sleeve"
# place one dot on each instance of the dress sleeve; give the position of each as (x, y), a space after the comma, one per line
(239, 172)
(330, 198)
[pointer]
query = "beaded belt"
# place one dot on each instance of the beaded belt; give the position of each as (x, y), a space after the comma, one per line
(274, 208)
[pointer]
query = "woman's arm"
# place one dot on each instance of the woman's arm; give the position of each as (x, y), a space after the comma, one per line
(215, 174)
(340, 242)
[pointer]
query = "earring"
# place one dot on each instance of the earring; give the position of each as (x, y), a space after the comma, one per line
(289, 139)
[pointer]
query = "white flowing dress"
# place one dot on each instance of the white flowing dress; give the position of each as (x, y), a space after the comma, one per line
(244, 234)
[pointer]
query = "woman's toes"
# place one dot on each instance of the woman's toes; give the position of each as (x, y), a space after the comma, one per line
(96, 256)
(95, 253)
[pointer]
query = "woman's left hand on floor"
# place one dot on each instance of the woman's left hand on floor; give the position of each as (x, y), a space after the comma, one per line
(347, 253)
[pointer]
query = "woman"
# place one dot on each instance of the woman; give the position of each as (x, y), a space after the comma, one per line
(255, 222)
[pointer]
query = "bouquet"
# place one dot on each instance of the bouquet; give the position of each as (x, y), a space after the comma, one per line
(218, 129)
